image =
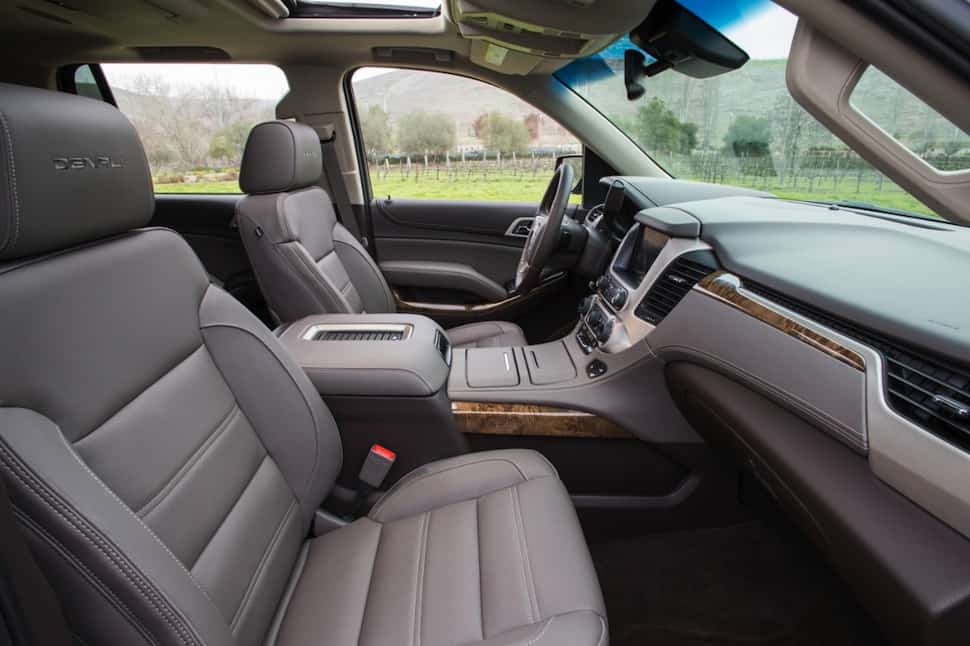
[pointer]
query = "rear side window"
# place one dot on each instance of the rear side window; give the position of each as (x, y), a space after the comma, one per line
(194, 118)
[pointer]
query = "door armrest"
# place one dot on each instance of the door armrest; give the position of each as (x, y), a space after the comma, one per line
(449, 275)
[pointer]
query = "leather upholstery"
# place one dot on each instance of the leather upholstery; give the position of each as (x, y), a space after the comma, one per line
(280, 156)
(479, 549)
(305, 261)
(165, 455)
(69, 172)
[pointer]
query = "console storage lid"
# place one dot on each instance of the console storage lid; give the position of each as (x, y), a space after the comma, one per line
(389, 355)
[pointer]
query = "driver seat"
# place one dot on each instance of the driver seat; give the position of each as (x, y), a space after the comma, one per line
(305, 261)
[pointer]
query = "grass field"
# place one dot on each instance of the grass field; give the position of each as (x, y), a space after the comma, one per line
(528, 189)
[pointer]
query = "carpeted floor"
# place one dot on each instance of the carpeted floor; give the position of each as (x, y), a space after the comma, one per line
(751, 584)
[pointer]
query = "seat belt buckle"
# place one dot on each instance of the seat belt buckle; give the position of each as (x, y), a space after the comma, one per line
(376, 466)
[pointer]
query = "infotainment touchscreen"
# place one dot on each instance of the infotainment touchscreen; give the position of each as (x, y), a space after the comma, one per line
(638, 253)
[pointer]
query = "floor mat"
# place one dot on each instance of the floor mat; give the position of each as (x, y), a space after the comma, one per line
(750, 584)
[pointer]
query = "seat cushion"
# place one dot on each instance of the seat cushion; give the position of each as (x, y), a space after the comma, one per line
(484, 548)
(490, 334)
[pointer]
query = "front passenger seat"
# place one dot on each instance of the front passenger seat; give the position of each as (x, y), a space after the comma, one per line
(306, 262)
(165, 456)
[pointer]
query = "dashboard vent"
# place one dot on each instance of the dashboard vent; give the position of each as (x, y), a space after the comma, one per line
(925, 390)
(670, 288)
(359, 335)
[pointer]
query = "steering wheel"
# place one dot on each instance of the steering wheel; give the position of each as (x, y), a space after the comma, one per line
(546, 226)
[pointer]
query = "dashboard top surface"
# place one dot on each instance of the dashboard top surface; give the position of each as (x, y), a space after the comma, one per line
(905, 278)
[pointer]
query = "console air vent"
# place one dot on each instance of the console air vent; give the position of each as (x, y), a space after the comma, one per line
(670, 288)
(925, 390)
(443, 346)
(359, 335)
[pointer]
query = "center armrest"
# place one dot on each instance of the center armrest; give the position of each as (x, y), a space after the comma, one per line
(389, 355)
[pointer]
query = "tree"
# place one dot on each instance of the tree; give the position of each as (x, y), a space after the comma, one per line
(531, 122)
(227, 144)
(430, 133)
(375, 125)
(749, 136)
(501, 133)
(792, 122)
(659, 129)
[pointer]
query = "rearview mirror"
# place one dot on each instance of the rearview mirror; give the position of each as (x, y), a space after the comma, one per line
(576, 161)
(678, 40)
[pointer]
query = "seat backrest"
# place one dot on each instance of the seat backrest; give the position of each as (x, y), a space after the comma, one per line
(163, 452)
(306, 262)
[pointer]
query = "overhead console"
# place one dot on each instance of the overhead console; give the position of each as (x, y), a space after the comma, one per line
(501, 30)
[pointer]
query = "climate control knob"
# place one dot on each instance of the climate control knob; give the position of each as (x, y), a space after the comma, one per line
(617, 298)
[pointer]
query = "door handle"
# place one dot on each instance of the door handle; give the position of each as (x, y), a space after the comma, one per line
(520, 228)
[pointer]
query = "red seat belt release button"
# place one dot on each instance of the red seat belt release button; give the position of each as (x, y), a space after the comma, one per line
(376, 466)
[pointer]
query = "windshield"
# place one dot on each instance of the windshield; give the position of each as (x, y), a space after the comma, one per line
(743, 127)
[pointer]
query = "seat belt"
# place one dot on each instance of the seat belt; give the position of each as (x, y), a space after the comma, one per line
(345, 212)
(29, 609)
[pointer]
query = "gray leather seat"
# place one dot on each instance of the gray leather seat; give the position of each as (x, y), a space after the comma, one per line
(306, 262)
(165, 455)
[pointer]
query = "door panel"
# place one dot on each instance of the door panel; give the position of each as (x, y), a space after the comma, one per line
(476, 234)
(495, 261)
(207, 222)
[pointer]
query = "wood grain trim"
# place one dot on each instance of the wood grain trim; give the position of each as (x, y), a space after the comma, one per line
(726, 287)
(487, 418)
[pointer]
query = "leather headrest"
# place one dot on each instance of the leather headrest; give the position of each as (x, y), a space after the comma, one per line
(280, 156)
(72, 169)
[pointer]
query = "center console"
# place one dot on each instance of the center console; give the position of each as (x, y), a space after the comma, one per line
(384, 378)
(657, 263)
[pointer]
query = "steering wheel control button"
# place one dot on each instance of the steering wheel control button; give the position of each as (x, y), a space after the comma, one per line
(595, 368)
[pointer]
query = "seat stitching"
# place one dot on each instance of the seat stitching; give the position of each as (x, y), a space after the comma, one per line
(518, 544)
(262, 564)
(316, 275)
(406, 481)
(481, 585)
(193, 459)
(84, 571)
(517, 511)
(235, 502)
(150, 593)
(541, 632)
(125, 507)
(138, 395)
(370, 579)
(376, 271)
(602, 630)
(317, 424)
(11, 241)
(419, 584)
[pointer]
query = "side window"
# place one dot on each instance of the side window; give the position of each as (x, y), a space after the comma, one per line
(437, 135)
(194, 118)
(85, 84)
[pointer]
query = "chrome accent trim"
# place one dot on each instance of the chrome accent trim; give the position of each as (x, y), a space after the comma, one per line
(510, 232)
(629, 329)
(405, 329)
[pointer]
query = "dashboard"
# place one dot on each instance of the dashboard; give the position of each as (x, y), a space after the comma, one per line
(856, 325)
